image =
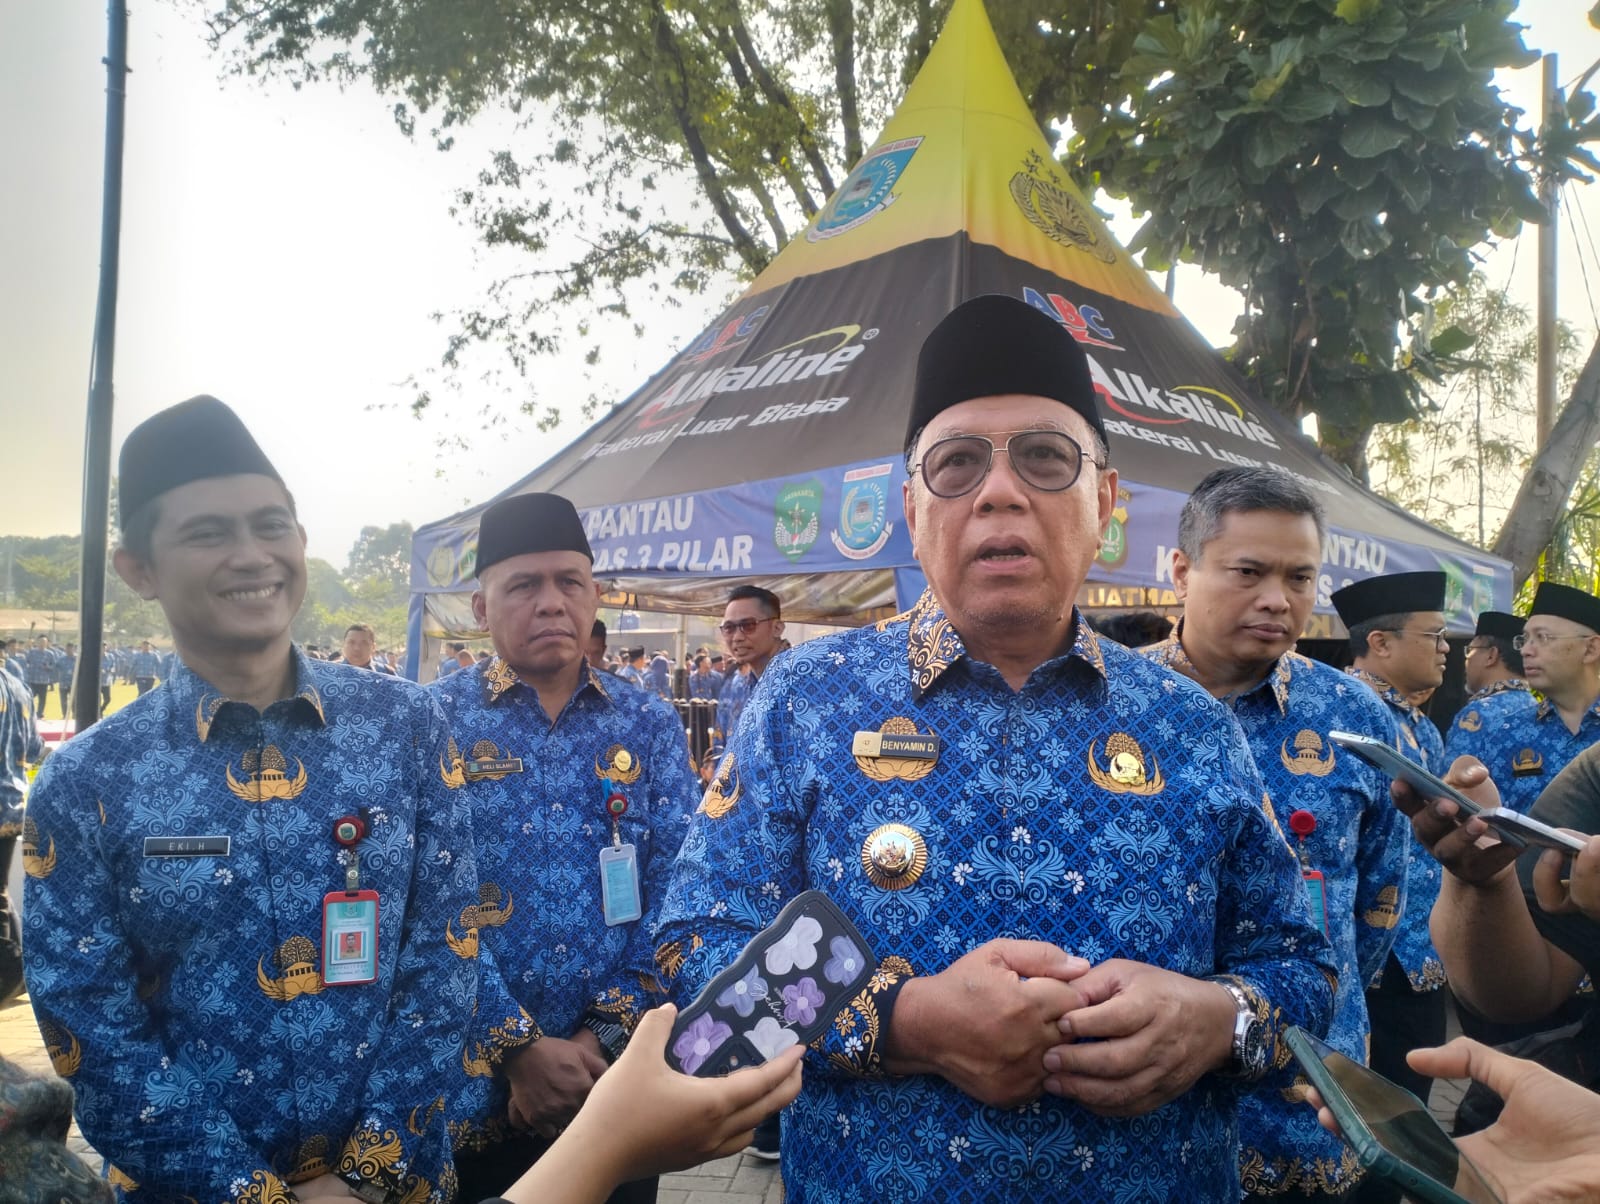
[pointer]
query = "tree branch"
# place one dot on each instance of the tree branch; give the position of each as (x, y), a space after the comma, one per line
(842, 27)
(778, 95)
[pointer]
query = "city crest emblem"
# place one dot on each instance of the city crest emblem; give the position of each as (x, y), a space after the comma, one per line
(866, 192)
(797, 518)
(1307, 757)
(1125, 771)
(490, 913)
(863, 513)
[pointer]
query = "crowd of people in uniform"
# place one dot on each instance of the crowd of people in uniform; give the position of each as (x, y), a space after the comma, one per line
(297, 932)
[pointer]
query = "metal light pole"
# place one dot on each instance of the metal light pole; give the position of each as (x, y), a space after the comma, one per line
(97, 431)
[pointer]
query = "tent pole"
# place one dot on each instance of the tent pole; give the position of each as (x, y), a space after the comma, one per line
(1549, 233)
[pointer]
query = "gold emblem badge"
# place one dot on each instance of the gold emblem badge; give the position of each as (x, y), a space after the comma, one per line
(894, 856)
(896, 750)
(621, 766)
(1057, 214)
(297, 958)
(36, 864)
(723, 792)
(1124, 771)
(1527, 762)
(1385, 914)
(62, 1046)
(267, 776)
(490, 913)
(465, 945)
(1471, 721)
(1307, 757)
(311, 1159)
(452, 768)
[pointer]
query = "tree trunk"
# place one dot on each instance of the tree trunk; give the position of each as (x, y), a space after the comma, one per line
(1551, 477)
(1346, 444)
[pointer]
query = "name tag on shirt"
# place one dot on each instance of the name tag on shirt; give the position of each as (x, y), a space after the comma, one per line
(883, 744)
(188, 846)
(493, 768)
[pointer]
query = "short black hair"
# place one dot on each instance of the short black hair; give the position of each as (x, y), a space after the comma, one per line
(768, 599)
(1361, 631)
(1509, 656)
(598, 631)
(1137, 629)
(1242, 490)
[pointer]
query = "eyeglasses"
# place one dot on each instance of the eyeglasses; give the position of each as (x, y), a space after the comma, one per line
(1541, 638)
(1047, 460)
(1438, 637)
(734, 626)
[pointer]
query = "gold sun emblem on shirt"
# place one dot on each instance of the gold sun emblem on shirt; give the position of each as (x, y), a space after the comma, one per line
(1125, 771)
(620, 766)
(267, 776)
(1307, 757)
(297, 958)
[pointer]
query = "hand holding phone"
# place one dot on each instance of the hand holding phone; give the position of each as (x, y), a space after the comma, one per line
(1392, 1132)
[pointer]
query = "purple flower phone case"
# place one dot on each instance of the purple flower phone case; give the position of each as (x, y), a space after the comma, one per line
(785, 988)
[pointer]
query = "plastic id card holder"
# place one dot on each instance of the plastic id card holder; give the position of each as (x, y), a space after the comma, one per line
(1316, 888)
(349, 938)
(619, 884)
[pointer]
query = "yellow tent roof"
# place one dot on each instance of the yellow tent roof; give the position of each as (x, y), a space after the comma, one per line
(963, 153)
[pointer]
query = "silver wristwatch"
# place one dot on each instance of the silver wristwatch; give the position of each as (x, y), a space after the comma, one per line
(1251, 1055)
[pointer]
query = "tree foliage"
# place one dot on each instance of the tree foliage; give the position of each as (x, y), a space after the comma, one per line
(1336, 161)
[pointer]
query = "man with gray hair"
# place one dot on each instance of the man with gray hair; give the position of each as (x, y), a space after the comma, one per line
(1249, 547)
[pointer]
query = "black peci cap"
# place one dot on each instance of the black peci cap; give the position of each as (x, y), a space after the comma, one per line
(194, 440)
(1396, 594)
(1566, 602)
(993, 345)
(1496, 624)
(529, 522)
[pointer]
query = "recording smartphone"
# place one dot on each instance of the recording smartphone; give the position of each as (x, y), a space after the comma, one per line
(1389, 760)
(1394, 1135)
(1517, 828)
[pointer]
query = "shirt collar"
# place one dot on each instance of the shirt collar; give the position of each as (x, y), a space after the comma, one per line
(1170, 652)
(499, 679)
(1548, 708)
(1504, 686)
(933, 645)
(1386, 692)
(189, 687)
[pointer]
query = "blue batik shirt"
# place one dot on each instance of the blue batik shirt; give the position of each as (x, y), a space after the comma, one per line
(1421, 742)
(65, 668)
(539, 793)
(182, 994)
(1524, 742)
(1359, 846)
(146, 664)
(40, 666)
(1109, 806)
(19, 746)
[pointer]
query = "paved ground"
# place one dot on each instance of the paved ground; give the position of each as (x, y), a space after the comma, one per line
(740, 1179)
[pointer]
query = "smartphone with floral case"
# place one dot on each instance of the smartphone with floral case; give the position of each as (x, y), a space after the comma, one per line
(785, 988)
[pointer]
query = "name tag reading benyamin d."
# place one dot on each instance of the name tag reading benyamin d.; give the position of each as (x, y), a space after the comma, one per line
(893, 744)
(187, 846)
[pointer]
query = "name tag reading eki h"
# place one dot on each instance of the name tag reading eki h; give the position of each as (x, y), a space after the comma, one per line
(187, 846)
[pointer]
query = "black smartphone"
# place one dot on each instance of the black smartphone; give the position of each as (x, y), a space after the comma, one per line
(1391, 1131)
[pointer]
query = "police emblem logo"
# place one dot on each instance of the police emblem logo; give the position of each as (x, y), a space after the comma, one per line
(866, 192)
(490, 912)
(896, 750)
(894, 856)
(1527, 763)
(722, 795)
(267, 776)
(1471, 721)
(1125, 771)
(34, 863)
(620, 766)
(863, 513)
(1307, 757)
(1057, 214)
(297, 958)
(797, 518)
(1384, 914)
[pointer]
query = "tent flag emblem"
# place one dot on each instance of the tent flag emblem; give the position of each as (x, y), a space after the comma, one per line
(868, 191)
(863, 529)
(1055, 211)
(797, 518)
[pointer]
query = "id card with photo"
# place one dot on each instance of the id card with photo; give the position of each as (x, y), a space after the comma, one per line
(349, 938)
(619, 884)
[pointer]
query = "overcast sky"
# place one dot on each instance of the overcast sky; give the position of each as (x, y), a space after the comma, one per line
(284, 250)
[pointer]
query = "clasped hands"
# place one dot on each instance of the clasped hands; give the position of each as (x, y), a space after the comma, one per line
(1015, 1019)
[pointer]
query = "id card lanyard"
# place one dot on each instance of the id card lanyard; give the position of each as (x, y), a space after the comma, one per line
(1302, 823)
(350, 917)
(619, 868)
